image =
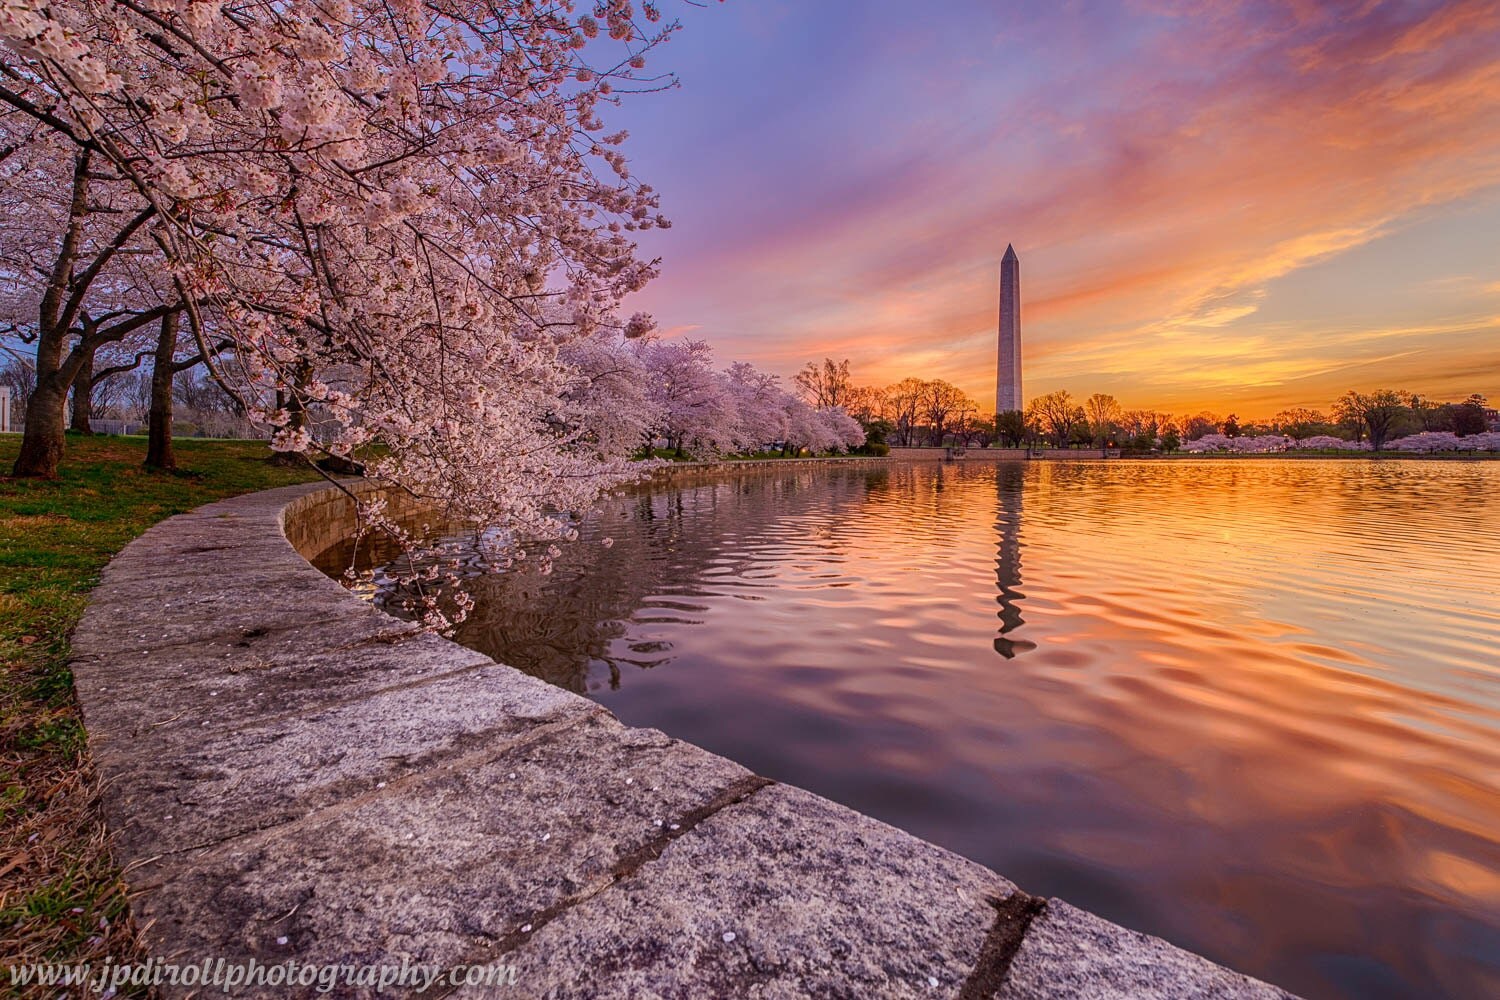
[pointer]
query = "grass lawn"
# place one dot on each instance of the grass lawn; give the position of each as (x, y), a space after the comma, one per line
(61, 898)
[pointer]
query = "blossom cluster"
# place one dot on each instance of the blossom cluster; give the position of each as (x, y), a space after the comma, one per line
(706, 412)
(407, 219)
(1327, 442)
(1435, 441)
(1251, 445)
(1424, 442)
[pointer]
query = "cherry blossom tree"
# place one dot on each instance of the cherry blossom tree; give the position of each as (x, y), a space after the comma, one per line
(384, 203)
(1428, 442)
(846, 431)
(695, 414)
(99, 383)
(609, 397)
(170, 358)
(759, 404)
(805, 429)
(1261, 444)
(1327, 442)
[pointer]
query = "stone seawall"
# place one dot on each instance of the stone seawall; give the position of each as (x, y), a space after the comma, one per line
(1009, 454)
(675, 470)
(290, 774)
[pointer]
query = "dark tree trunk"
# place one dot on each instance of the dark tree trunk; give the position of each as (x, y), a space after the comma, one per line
(159, 432)
(296, 408)
(46, 410)
(42, 442)
(83, 393)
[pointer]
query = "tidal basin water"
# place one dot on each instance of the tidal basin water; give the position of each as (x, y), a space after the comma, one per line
(1250, 706)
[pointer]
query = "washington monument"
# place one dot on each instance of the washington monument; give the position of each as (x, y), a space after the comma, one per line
(1008, 371)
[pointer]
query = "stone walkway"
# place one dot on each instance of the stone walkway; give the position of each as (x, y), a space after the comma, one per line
(291, 775)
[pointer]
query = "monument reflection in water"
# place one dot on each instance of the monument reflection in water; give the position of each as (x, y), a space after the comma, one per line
(1251, 706)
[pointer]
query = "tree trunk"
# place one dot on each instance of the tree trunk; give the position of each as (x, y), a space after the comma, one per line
(83, 394)
(159, 432)
(46, 410)
(42, 443)
(296, 408)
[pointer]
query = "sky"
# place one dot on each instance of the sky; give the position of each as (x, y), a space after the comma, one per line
(1232, 207)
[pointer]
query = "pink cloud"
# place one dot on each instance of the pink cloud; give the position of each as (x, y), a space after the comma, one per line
(1227, 152)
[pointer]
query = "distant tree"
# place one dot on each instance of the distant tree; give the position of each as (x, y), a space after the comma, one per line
(18, 374)
(878, 432)
(1010, 427)
(903, 401)
(1232, 426)
(1436, 419)
(867, 404)
(1170, 442)
(1057, 415)
(1300, 422)
(98, 386)
(975, 431)
(1377, 412)
(1468, 416)
(1137, 423)
(1430, 416)
(135, 402)
(826, 385)
(1202, 425)
(942, 403)
(200, 393)
(1103, 412)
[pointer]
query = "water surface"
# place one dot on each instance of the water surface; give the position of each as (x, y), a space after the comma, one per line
(1250, 706)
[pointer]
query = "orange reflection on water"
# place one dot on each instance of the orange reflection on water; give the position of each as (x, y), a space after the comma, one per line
(1251, 706)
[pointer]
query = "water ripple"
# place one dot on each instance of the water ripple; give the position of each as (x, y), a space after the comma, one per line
(1251, 706)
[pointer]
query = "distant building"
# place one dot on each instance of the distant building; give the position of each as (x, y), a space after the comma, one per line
(1008, 370)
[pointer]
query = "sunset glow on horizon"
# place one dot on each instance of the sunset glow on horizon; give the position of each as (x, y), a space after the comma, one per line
(1226, 207)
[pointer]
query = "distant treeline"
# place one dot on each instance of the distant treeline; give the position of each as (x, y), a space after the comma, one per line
(934, 412)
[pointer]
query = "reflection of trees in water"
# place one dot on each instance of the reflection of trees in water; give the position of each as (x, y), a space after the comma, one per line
(1010, 485)
(671, 548)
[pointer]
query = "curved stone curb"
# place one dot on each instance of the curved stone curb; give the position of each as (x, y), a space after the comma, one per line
(291, 775)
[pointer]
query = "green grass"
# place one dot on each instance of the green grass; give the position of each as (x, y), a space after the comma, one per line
(61, 897)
